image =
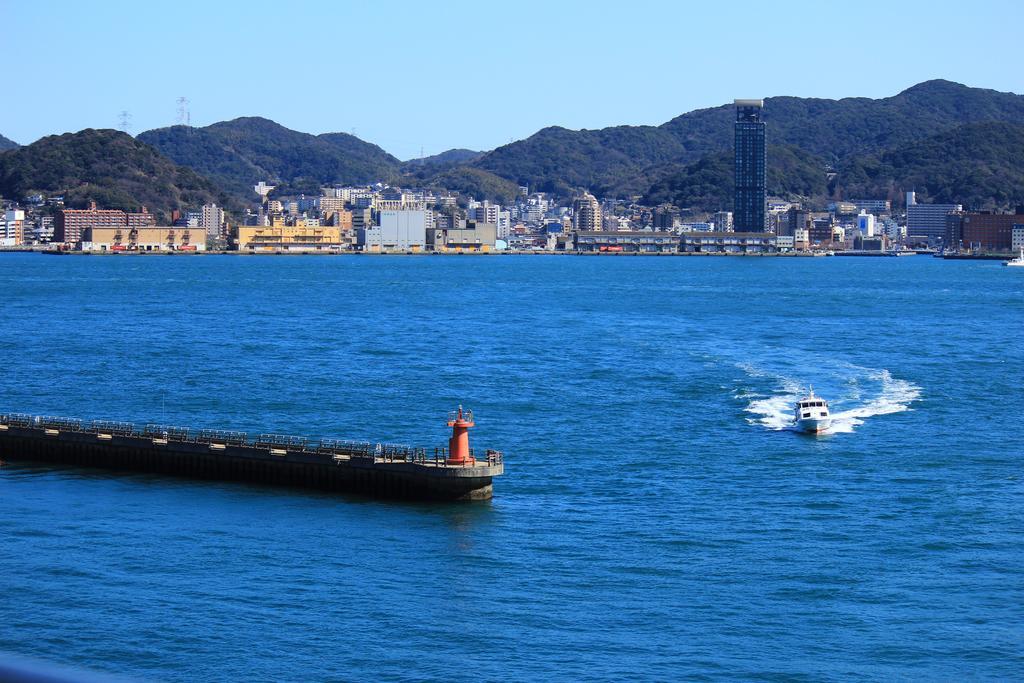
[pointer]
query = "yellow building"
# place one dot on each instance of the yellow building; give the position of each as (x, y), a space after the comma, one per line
(341, 219)
(256, 238)
(130, 238)
(473, 237)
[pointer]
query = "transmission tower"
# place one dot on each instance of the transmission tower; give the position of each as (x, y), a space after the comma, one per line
(125, 120)
(183, 116)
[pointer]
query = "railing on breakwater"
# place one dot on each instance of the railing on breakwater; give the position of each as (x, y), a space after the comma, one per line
(277, 444)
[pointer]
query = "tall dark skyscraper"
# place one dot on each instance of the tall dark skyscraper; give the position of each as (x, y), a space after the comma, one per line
(751, 200)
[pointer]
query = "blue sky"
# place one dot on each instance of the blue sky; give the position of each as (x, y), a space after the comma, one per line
(434, 76)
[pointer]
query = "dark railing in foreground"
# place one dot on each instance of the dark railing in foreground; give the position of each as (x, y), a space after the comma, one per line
(277, 444)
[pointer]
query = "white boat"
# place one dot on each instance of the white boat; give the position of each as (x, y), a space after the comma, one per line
(812, 414)
(1019, 261)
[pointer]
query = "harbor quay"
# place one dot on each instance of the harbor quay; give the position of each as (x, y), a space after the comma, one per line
(508, 252)
(452, 473)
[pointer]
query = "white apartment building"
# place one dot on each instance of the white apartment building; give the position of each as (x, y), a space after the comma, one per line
(211, 220)
(866, 223)
(1017, 238)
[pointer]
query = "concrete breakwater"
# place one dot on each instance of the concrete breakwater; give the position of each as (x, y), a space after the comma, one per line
(380, 470)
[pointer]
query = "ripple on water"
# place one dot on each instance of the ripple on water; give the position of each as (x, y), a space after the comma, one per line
(657, 519)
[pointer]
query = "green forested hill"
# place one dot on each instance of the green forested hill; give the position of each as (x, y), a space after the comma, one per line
(979, 165)
(446, 159)
(108, 167)
(559, 160)
(6, 144)
(837, 129)
(239, 153)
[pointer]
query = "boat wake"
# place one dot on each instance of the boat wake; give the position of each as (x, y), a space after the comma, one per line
(865, 393)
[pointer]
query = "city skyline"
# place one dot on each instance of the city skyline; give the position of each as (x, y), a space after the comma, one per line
(531, 65)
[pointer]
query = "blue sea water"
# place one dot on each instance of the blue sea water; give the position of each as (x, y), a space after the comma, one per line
(657, 520)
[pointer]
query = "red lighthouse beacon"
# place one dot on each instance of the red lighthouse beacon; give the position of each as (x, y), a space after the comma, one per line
(458, 444)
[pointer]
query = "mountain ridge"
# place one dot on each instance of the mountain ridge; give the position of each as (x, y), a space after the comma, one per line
(448, 157)
(867, 143)
(613, 161)
(831, 129)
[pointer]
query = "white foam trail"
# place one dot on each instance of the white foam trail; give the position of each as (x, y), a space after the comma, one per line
(775, 412)
(896, 397)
